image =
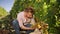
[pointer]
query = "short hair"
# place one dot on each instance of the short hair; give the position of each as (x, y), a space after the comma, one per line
(29, 9)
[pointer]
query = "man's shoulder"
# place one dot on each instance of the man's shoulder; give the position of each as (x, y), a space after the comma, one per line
(20, 13)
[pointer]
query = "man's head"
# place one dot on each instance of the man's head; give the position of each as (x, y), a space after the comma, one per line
(29, 12)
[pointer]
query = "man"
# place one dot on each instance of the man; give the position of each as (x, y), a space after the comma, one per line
(24, 21)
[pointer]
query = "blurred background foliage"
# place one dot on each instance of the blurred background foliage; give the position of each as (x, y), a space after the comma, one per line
(2, 12)
(46, 10)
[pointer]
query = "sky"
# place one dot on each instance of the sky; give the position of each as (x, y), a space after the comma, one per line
(6, 4)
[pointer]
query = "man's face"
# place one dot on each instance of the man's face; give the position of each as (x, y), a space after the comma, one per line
(29, 15)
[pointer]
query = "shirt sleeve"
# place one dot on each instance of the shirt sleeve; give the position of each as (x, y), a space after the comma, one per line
(19, 18)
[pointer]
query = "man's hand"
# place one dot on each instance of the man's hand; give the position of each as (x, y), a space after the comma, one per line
(36, 26)
(32, 28)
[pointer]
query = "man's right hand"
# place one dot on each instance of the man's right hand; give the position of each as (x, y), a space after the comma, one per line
(32, 28)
